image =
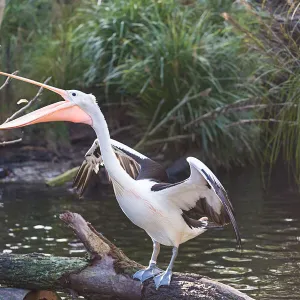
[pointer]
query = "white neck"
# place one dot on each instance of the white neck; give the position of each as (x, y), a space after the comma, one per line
(111, 163)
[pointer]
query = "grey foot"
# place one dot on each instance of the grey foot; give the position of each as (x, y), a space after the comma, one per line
(145, 274)
(163, 279)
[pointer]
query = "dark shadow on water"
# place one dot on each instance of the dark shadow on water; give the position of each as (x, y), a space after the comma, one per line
(268, 267)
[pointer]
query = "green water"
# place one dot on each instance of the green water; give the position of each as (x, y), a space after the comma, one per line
(268, 267)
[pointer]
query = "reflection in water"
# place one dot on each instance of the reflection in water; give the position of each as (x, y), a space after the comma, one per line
(268, 267)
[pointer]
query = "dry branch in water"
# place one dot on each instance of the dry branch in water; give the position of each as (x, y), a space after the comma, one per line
(106, 275)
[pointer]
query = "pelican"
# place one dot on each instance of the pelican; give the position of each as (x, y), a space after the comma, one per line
(141, 185)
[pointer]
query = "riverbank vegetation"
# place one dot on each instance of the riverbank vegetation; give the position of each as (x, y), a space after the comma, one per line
(216, 78)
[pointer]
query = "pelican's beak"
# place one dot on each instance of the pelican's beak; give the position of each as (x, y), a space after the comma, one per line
(60, 111)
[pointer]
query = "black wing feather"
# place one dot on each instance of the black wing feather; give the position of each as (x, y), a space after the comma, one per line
(220, 191)
(138, 167)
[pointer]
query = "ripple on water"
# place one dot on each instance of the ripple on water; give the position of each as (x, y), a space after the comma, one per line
(77, 251)
(38, 227)
(14, 229)
(76, 244)
(288, 268)
(232, 270)
(14, 247)
(7, 251)
(61, 240)
(269, 247)
(244, 287)
(287, 229)
(42, 227)
(220, 250)
(237, 259)
(274, 237)
(197, 265)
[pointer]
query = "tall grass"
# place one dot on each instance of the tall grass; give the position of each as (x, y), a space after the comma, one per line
(175, 63)
(284, 140)
(278, 41)
(37, 39)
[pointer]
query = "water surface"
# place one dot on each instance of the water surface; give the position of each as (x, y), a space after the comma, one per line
(268, 267)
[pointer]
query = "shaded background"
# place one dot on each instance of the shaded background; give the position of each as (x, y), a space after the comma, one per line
(218, 80)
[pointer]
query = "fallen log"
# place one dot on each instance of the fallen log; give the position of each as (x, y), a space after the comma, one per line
(106, 274)
(62, 178)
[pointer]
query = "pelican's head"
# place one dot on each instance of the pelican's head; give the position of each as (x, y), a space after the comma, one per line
(77, 107)
(86, 102)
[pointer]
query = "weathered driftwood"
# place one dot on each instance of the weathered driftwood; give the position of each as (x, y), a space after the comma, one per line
(107, 274)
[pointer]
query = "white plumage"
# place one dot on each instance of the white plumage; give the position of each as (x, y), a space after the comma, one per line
(160, 207)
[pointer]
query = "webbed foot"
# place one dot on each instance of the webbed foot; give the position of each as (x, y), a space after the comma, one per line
(147, 273)
(163, 279)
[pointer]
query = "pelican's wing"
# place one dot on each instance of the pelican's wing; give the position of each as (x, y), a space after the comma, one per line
(137, 165)
(203, 193)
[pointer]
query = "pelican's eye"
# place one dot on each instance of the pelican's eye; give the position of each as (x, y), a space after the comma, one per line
(74, 94)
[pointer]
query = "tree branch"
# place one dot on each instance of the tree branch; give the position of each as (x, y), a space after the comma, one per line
(121, 129)
(250, 121)
(171, 139)
(234, 107)
(8, 79)
(32, 101)
(17, 113)
(11, 142)
(107, 275)
(218, 111)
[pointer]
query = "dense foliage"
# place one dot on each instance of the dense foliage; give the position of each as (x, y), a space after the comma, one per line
(175, 63)
(278, 41)
(282, 48)
(195, 74)
(36, 39)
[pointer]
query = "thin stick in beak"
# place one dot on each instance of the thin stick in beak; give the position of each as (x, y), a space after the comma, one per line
(61, 92)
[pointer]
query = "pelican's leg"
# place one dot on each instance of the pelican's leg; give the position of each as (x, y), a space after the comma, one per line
(165, 278)
(152, 270)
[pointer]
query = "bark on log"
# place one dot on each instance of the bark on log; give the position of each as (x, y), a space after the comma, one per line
(107, 274)
(62, 178)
